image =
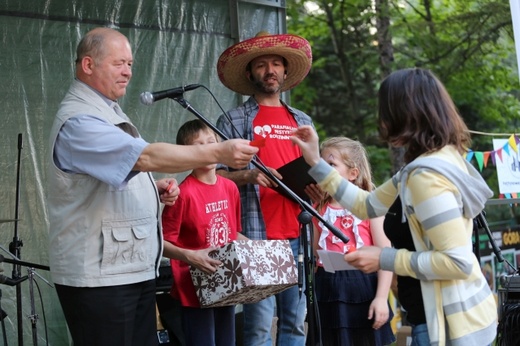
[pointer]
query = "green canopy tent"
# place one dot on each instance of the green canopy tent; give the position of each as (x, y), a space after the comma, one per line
(175, 43)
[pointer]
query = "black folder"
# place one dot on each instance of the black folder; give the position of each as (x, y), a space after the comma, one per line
(296, 178)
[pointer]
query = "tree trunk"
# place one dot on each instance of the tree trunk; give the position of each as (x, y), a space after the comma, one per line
(386, 59)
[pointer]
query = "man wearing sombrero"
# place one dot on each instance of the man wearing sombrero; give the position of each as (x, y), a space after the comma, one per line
(263, 67)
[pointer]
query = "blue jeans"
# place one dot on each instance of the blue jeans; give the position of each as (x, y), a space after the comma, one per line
(290, 309)
(420, 335)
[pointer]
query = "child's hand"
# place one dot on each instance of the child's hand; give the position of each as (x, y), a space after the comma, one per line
(315, 193)
(379, 312)
(200, 259)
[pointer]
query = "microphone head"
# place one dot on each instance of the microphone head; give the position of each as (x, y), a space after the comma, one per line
(146, 98)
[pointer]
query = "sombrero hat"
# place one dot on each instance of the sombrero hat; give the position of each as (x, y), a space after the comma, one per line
(231, 66)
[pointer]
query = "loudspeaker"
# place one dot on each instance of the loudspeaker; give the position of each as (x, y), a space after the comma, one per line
(509, 311)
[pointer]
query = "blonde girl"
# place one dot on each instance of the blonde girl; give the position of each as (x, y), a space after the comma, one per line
(353, 305)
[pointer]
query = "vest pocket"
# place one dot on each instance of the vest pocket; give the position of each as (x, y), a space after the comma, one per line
(127, 246)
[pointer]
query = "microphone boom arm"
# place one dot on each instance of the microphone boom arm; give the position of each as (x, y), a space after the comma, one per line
(264, 170)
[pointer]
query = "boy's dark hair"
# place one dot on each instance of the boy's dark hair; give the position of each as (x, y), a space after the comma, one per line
(189, 130)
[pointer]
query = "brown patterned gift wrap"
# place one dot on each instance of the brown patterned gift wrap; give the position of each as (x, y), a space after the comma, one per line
(251, 270)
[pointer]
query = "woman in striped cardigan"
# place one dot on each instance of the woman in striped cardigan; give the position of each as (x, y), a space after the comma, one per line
(441, 194)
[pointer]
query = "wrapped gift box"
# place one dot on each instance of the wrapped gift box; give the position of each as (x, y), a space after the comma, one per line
(251, 270)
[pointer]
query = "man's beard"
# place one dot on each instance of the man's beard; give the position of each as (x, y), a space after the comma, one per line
(262, 87)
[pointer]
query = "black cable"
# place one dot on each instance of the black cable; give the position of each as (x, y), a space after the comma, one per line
(44, 316)
(224, 113)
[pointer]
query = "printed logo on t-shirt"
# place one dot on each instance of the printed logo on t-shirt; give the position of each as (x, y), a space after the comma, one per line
(263, 130)
(218, 230)
(275, 131)
(344, 223)
(216, 206)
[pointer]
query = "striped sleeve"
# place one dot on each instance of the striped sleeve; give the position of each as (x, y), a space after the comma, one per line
(435, 213)
(361, 203)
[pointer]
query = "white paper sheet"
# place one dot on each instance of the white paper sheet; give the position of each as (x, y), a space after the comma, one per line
(333, 261)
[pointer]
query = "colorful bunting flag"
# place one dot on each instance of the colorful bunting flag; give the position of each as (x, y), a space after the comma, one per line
(482, 157)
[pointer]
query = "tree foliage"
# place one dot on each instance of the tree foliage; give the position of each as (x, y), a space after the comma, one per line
(468, 44)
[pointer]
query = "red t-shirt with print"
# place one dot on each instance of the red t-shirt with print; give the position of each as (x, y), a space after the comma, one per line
(280, 213)
(203, 216)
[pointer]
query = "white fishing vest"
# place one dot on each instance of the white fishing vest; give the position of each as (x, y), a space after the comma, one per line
(100, 236)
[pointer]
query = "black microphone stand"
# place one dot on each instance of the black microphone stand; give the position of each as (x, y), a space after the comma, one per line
(12, 282)
(304, 219)
(16, 245)
(313, 320)
(480, 222)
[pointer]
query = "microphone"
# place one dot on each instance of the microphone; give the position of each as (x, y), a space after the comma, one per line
(147, 98)
(11, 282)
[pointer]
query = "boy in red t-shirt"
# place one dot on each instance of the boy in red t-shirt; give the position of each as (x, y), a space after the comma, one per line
(205, 216)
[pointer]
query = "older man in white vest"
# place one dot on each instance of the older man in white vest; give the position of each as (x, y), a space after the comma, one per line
(104, 205)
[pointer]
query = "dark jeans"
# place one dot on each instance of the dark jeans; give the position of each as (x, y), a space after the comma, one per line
(209, 326)
(108, 316)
